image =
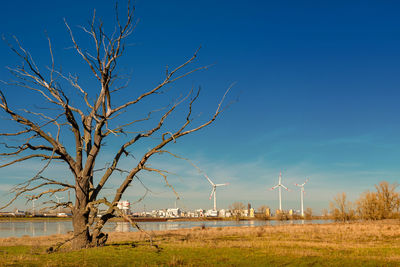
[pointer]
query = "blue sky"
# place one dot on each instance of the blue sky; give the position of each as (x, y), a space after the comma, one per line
(317, 86)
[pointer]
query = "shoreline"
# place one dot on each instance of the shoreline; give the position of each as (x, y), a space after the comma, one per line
(156, 219)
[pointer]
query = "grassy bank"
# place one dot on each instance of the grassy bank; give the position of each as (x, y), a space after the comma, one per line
(355, 244)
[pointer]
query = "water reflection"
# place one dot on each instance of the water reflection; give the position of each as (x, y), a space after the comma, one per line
(122, 227)
(50, 227)
(34, 228)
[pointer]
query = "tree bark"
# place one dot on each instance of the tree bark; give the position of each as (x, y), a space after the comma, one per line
(80, 218)
(82, 238)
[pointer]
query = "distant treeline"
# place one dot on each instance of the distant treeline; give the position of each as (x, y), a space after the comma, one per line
(383, 203)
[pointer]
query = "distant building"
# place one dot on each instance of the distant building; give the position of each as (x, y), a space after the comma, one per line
(244, 213)
(125, 206)
(224, 213)
(174, 213)
(145, 214)
(6, 213)
(251, 214)
(161, 213)
(199, 213)
(18, 212)
(191, 214)
(211, 213)
(268, 212)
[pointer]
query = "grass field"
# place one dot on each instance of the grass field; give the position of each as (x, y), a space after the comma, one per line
(353, 244)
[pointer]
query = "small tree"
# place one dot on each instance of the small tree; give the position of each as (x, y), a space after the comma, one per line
(72, 126)
(388, 199)
(325, 213)
(341, 208)
(368, 207)
(263, 211)
(263, 208)
(308, 214)
(237, 208)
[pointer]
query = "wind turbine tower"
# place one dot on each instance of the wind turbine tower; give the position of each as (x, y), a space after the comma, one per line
(214, 190)
(302, 196)
(58, 201)
(33, 206)
(279, 186)
(176, 200)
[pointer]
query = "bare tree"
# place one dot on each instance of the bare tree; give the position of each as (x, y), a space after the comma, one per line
(308, 213)
(341, 208)
(237, 208)
(325, 213)
(388, 198)
(262, 209)
(87, 118)
(368, 206)
(382, 204)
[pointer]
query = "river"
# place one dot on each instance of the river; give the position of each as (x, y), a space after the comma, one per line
(50, 227)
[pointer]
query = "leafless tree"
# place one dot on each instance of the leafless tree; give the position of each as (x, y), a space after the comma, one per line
(308, 213)
(262, 209)
(388, 198)
(237, 208)
(342, 208)
(382, 204)
(325, 213)
(368, 206)
(89, 117)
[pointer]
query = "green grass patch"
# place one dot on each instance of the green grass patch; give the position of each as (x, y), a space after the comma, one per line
(175, 255)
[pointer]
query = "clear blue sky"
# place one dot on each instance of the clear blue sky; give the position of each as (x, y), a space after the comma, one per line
(317, 82)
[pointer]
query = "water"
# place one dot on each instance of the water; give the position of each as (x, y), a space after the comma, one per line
(50, 227)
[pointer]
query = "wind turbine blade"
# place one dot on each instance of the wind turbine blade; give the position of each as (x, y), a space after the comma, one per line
(285, 187)
(305, 182)
(212, 192)
(205, 175)
(222, 184)
(272, 188)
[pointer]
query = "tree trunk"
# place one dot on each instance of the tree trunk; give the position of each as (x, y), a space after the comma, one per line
(80, 216)
(82, 238)
(98, 238)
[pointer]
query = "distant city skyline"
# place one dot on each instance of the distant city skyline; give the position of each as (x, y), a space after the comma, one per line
(317, 88)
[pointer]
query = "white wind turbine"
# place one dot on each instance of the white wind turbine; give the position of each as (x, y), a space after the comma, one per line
(58, 201)
(279, 186)
(33, 206)
(302, 195)
(214, 190)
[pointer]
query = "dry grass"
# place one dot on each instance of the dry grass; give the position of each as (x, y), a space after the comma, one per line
(355, 232)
